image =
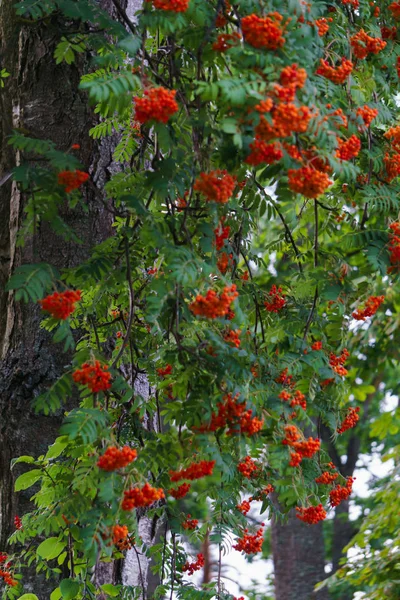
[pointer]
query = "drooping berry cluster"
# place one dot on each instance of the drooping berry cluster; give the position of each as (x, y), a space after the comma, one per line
(157, 104)
(302, 449)
(171, 5)
(264, 32)
(296, 399)
(367, 114)
(180, 492)
(5, 573)
(337, 362)
(190, 524)
(348, 149)
(61, 304)
(72, 180)
(316, 346)
(309, 182)
(164, 371)
(221, 234)
(249, 544)
(244, 507)
(248, 467)
(194, 471)
(190, 568)
(214, 305)
(370, 308)
(145, 496)
(341, 493)
(276, 300)
(235, 416)
(335, 74)
(394, 246)
(114, 459)
(262, 152)
(363, 44)
(232, 337)
(121, 537)
(350, 420)
(312, 514)
(326, 478)
(94, 375)
(216, 186)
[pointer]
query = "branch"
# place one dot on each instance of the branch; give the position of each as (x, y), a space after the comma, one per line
(131, 305)
(282, 218)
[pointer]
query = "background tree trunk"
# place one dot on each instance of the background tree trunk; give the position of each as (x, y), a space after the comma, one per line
(43, 99)
(299, 560)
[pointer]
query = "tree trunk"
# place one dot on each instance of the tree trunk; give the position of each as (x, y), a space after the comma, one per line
(298, 553)
(43, 99)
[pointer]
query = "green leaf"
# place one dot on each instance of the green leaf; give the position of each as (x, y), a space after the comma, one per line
(58, 446)
(55, 594)
(22, 459)
(28, 597)
(69, 588)
(26, 480)
(110, 589)
(50, 548)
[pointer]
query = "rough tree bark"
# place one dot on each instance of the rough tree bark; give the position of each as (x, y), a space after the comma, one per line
(43, 99)
(299, 560)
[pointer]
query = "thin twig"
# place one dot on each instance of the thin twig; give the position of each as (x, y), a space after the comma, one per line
(131, 305)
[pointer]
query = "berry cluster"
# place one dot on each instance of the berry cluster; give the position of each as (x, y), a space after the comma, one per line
(94, 375)
(114, 459)
(217, 186)
(367, 114)
(302, 449)
(262, 152)
(233, 337)
(226, 41)
(337, 362)
(136, 497)
(363, 44)
(312, 514)
(120, 537)
(250, 544)
(190, 568)
(194, 471)
(248, 467)
(350, 420)
(370, 308)
(221, 234)
(234, 415)
(308, 181)
(264, 32)
(213, 305)
(224, 261)
(341, 493)
(61, 304)
(335, 74)
(296, 399)
(276, 300)
(316, 346)
(72, 180)
(171, 5)
(164, 371)
(326, 478)
(221, 19)
(394, 246)
(17, 522)
(180, 492)
(287, 118)
(190, 524)
(348, 149)
(157, 104)
(394, 7)
(392, 166)
(322, 25)
(244, 507)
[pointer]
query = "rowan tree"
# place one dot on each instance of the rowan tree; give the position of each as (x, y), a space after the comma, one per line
(210, 334)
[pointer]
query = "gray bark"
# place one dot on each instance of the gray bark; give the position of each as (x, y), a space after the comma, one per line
(298, 552)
